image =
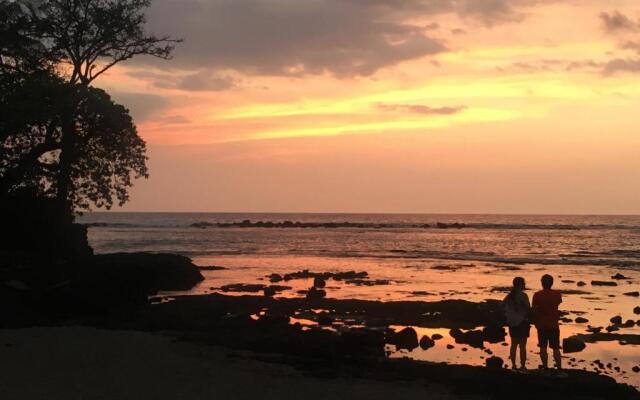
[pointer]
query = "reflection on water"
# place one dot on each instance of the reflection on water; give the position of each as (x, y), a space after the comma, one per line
(407, 261)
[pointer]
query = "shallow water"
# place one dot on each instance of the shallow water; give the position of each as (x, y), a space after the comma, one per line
(420, 263)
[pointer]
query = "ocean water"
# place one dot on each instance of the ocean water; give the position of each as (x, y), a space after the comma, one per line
(412, 257)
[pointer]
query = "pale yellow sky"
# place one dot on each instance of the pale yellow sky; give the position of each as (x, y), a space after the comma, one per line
(517, 106)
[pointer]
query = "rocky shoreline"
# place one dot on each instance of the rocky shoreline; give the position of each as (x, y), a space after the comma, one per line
(324, 337)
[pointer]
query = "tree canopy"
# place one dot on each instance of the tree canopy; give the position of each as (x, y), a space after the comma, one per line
(60, 136)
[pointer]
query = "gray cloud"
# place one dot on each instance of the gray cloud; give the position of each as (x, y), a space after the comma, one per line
(616, 22)
(198, 81)
(141, 105)
(631, 45)
(622, 65)
(344, 38)
(421, 109)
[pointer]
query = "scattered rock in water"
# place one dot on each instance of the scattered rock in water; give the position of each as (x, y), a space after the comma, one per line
(210, 268)
(603, 283)
(573, 345)
(617, 320)
(619, 276)
(494, 363)
(450, 347)
(316, 294)
(568, 281)
(275, 278)
(612, 328)
(243, 287)
(632, 294)
(494, 333)
(581, 320)
(474, 338)
(365, 282)
(324, 319)
(636, 369)
(426, 343)
(420, 293)
(566, 320)
(319, 282)
(273, 320)
(594, 329)
(269, 291)
(407, 338)
(436, 336)
(580, 283)
(629, 323)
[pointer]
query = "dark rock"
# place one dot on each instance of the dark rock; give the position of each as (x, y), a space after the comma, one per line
(319, 282)
(494, 363)
(210, 268)
(603, 283)
(436, 336)
(629, 323)
(269, 291)
(619, 276)
(566, 320)
(572, 345)
(275, 278)
(406, 338)
(316, 294)
(450, 347)
(426, 343)
(580, 283)
(474, 338)
(632, 294)
(324, 319)
(636, 369)
(612, 328)
(581, 320)
(617, 320)
(636, 310)
(243, 287)
(494, 334)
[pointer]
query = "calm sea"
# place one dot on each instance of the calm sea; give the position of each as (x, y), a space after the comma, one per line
(538, 239)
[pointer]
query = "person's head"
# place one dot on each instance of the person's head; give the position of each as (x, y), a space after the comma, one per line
(518, 283)
(547, 281)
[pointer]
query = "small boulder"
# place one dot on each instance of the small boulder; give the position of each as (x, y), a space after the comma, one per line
(273, 278)
(406, 338)
(603, 283)
(617, 320)
(316, 294)
(632, 294)
(319, 282)
(581, 320)
(436, 336)
(572, 345)
(636, 369)
(619, 276)
(580, 283)
(494, 363)
(324, 320)
(269, 291)
(629, 323)
(426, 343)
(636, 310)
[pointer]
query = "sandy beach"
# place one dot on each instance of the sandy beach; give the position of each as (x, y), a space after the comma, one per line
(90, 364)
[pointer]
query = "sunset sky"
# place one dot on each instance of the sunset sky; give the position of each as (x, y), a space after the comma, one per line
(470, 106)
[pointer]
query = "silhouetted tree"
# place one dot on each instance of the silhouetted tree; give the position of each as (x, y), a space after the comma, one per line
(105, 154)
(64, 137)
